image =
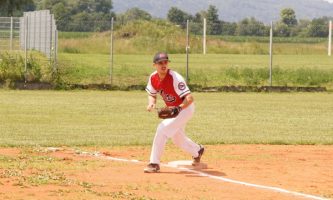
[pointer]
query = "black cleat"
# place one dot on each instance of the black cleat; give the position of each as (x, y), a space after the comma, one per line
(152, 168)
(196, 160)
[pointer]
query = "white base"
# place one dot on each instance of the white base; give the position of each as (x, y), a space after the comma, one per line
(187, 164)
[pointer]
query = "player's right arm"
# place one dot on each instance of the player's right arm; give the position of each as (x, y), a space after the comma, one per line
(151, 103)
(151, 94)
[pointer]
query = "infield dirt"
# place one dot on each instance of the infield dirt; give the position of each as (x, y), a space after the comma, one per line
(305, 169)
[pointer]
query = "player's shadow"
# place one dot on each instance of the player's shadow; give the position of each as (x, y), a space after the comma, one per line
(208, 171)
(197, 172)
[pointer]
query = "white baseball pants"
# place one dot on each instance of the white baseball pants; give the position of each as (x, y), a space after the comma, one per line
(174, 128)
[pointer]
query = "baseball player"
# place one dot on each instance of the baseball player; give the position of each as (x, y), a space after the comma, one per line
(177, 96)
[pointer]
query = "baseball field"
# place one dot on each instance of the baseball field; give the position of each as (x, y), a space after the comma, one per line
(95, 144)
(89, 144)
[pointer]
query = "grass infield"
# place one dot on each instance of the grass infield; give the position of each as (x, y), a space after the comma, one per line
(97, 118)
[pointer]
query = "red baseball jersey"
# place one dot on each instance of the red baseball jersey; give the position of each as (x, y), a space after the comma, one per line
(172, 88)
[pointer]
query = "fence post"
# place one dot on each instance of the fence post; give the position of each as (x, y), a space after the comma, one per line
(34, 25)
(51, 35)
(45, 31)
(330, 38)
(187, 49)
(25, 47)
(271, 54)
(111, 52)
(55, 49)
(204, 36)
(11, 33)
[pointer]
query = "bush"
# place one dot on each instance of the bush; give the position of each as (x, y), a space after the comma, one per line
(33, 73)
(296, 77)
(71, 50)
(12, 68)
(311, 77)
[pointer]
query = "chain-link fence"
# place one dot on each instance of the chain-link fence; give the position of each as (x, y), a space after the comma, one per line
(34, 32)
(229, 60)
(9, 33)
(123, 57)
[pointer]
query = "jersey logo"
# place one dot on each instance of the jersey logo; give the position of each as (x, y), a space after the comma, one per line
(167, 97)
(181, 86)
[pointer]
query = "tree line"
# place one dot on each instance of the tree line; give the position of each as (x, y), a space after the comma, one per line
(71, 15)
(95, 15)
(286, 26)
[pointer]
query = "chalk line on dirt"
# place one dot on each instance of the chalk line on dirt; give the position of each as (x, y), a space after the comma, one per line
(203, 174)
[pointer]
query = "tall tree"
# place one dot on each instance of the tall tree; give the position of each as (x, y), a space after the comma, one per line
(228, 28)
(10, 7)
(288, 17)
(198, 17)
(79, 15)
(251, 27)
(197, 23)
(318, 27)
(179, 17)
(282, 30)
(213, 22)
(103, 6)
(133, 14)
(90, 6)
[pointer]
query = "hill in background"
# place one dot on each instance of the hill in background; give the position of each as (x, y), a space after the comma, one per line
(233, 10)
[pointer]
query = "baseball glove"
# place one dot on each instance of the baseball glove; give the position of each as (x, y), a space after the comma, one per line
(168, 112)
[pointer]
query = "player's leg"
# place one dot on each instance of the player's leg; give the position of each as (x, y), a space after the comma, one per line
(166, 129)
(182, 141)
(160, 140)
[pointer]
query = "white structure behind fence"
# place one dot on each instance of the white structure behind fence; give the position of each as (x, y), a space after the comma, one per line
(38, 29)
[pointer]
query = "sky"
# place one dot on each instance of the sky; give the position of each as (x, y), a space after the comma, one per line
(331, 1)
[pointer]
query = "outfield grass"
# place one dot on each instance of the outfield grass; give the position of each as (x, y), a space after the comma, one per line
(96, 118)
(263, 39)
(231, 60)
(205, 70)
(149, 37)
(85, 43)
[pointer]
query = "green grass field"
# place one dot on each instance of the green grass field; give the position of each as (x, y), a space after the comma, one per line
(142, 37)
(205, 70)
(83, 58)
(231, 60)
(96, 118)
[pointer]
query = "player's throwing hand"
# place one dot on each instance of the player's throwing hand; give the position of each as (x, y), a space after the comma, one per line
(150, 107)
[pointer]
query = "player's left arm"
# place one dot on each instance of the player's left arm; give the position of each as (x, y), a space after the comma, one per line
(188, 100)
